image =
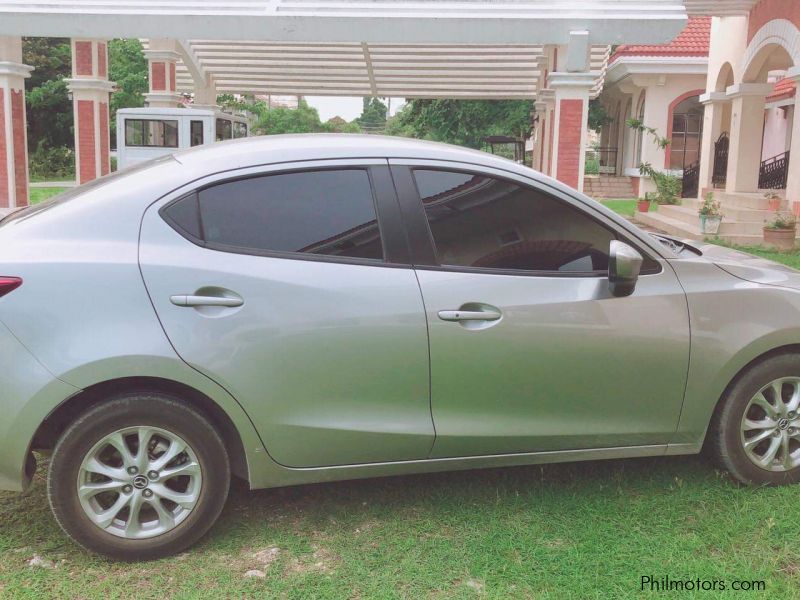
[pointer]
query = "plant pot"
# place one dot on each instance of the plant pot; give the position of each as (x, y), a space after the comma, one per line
(643, 206)
(774, 204)
(710, 225)
(782, 239)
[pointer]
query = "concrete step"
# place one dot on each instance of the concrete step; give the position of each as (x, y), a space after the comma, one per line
(732, 213)
(688, 215)
(681, 229)
(751, 201)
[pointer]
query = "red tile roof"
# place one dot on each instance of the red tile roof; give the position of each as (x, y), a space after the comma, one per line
(694, 40)
(784, 88)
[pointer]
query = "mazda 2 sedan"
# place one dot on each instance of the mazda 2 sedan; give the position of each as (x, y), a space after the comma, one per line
(298, 309)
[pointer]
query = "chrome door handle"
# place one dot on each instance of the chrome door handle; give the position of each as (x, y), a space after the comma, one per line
(468, 315)
(187, 300)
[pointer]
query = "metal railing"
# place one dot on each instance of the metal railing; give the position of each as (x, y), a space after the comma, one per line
(601, 161)
(720, 173)
(773, 172)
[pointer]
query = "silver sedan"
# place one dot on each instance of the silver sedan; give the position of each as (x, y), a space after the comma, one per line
(298, 309)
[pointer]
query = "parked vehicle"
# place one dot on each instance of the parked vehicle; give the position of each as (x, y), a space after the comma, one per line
(295, 309)
(149, 133)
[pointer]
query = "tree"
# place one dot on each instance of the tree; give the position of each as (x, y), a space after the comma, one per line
(462, 122)
(49, 109)
(303, 119)
(373, 115)
(127, 67)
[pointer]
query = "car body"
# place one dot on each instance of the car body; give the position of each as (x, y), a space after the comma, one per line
(327, 363)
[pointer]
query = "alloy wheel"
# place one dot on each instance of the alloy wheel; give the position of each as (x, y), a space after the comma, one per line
(770, 428)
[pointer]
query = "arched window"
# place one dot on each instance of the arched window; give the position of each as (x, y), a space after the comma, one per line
(687, 126)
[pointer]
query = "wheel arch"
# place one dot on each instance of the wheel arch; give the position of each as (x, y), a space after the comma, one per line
(793, 348)
(56, 422)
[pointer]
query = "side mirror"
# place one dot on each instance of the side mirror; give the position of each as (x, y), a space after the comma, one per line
(624, 264)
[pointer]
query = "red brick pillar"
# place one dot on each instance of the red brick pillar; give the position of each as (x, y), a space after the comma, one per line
(13, 136)
(570, 126)
(90, 89)
(162, 57)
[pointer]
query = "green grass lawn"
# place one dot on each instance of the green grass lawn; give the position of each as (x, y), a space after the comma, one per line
(584, 530)
(36, 195)
(626, 208)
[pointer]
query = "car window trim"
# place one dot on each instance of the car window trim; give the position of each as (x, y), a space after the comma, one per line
(393, 243)
(423, 246)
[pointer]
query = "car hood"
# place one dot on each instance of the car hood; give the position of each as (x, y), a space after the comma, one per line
(751, 268)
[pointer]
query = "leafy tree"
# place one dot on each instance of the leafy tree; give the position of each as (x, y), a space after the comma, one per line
(598, 116)
(303, 119)
(373, 115)
(462, 122)
(127, 67)
(49, 109)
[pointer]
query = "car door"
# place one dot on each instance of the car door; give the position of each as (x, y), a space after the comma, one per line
(291, 287)
(547, 359)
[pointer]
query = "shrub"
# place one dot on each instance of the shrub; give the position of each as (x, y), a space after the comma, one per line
(51, 163)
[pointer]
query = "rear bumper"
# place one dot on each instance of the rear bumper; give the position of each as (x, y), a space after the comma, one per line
(29, 393)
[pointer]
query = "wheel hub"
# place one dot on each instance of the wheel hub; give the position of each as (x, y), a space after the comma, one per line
(768, 433)
(139, 482)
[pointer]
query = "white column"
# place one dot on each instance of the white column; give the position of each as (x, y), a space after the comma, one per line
(162, 57)
(793, 180)
(714, 103)
(747, 130)
(90, 89)
(13, 135)
(571, 130)
(544, 107)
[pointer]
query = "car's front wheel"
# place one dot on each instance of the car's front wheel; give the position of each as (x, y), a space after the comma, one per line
(756, 429)
(138, 477)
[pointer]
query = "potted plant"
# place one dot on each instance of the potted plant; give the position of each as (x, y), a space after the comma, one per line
(644, 203)
(780, 231)
(710, 214)
(668, 187)
(774, 201)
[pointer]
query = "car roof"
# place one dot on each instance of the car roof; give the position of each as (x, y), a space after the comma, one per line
(270, 149)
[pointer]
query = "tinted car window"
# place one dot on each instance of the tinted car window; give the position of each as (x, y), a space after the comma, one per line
(480, 221)
(315, 212)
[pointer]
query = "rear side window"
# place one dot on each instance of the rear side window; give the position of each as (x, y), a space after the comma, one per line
(483, 222)
(330, 212)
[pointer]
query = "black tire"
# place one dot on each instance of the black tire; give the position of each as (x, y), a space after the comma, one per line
(725, 440)
(133, 410)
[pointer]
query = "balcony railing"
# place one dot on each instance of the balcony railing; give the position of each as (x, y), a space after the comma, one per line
(773, 172)
(601, 161)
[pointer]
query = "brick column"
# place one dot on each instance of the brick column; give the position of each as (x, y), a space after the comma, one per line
(13, 135)
(162, 58)
(90, 89)
(715, 103)
(570, 126)
(747, 132)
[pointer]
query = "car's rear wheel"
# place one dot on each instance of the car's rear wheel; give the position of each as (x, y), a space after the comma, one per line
(756, 429)
(138, 477)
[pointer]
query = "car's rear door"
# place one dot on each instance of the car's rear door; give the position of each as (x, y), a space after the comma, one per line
(529, 349)
(291, 287)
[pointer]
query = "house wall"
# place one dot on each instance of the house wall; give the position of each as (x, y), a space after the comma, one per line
(660, 95)
(777, 131)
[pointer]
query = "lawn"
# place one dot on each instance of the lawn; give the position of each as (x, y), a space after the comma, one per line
(626, 208)
(36, 195)
(583, 530)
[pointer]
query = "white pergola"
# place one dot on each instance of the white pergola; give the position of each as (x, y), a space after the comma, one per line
(551, 51)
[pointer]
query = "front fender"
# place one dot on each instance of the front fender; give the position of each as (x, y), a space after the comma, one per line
(733, 322)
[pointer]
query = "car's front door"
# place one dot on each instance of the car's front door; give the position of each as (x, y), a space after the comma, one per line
(529, 349)
(292, 289)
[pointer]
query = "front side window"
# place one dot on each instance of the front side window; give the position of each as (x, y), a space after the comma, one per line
(483, 222)
(330, 212)
(151, 133)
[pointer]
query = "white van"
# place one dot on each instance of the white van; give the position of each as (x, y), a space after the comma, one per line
(145, 133)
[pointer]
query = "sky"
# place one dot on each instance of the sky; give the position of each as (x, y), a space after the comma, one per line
(347, 108)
